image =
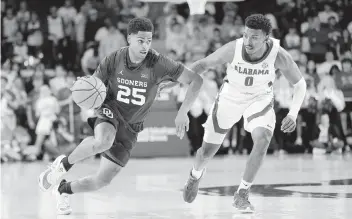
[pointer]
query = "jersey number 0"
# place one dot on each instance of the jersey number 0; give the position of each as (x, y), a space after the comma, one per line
(248, 81)
(131, 95)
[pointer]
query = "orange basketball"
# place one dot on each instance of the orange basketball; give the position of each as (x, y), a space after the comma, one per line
(88, 92)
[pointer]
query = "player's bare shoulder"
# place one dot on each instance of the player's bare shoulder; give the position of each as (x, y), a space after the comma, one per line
(283, 59)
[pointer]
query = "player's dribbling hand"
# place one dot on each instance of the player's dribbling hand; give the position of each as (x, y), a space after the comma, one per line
(288, 124)
(182, 124)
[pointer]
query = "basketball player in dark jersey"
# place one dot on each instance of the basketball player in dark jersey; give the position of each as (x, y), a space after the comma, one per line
(132, 76)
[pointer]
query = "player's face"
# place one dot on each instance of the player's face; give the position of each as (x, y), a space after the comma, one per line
(253, 40)
(140, 43)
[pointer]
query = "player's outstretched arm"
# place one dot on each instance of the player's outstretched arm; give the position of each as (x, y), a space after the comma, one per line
(221, 56)
(290, 70)
(195, 83)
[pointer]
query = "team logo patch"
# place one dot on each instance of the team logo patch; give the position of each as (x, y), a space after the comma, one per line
(144, 76)
(265, 65)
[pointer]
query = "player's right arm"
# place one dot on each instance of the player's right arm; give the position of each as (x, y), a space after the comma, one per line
(221, 56)
(106, 67)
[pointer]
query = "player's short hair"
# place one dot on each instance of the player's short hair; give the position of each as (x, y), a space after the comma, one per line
(139, 24)
(258, 22)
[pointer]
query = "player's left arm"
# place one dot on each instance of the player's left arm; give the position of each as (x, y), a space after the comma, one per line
(290, 70)
(177, 72)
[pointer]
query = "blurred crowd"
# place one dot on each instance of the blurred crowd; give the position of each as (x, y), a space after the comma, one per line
(44, 48)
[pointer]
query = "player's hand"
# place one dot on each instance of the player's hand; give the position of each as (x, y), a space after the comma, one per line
(182, 124)
(288, 124)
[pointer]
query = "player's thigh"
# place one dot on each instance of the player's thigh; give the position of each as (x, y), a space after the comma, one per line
(120, 151)
(105, 126)
(223, 116)
(260, 113)
(107, 170)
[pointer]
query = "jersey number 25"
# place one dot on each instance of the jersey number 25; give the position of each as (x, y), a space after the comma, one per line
(131, 95)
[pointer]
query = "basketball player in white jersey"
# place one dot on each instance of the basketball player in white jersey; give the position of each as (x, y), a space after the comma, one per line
(247, 91)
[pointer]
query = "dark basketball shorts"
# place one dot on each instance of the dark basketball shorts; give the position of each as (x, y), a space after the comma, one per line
(125, 140)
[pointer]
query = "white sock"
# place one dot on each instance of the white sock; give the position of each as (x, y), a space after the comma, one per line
(197, 173)
(244, 185)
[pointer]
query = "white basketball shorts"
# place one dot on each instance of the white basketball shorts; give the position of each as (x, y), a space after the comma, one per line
(226, 111)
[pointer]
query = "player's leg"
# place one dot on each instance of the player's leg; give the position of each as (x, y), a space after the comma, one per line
(215, 129)
(107, 171)
(104, 136)
(261, 124)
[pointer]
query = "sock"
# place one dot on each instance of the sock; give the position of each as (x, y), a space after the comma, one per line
(65, 187)
(244, 185)
(197, 173)
(66, 164)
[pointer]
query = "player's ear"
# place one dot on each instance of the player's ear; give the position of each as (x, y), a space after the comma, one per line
(129, 38)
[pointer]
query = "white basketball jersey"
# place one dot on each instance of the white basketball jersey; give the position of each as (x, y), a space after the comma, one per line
(252, 78)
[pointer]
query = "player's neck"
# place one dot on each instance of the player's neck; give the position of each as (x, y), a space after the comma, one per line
(132, 58)
(258, 55)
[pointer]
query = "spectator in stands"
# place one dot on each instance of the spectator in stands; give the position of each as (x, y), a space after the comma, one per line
(80, 25)
(345, 43)
(328, 136)
(46, 110)
(216, 42)
(226, 27)
(325, 67)
(8, 123)
(334, 34)
(90, 59)
(34, 35)
(292, 41)
(176, 38)
(197, 46)
(113, 40)
(92, 26)
(316, 41)
(140, 9)
(23, 17)
(9, 30)
(60, 141)
(20, 49)
(68, 14)
(327, 13)
(56, 35)
(344, 82)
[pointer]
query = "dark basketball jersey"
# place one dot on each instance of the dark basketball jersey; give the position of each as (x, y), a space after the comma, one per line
(132, 91)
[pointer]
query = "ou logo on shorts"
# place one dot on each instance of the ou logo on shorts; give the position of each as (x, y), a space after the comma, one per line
(107, 112)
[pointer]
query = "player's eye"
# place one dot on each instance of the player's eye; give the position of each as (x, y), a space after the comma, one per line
(140, 41)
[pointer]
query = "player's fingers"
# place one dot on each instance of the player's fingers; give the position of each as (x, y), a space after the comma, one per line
(178, 130)
(290, 128)
(284, 124)
(182, 131)
(187, 126)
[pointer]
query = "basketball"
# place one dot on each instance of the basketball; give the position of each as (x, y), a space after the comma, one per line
(88, 92)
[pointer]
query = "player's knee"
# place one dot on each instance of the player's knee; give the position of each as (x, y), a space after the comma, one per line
(213, 137)
(261, 139)
(208, 150)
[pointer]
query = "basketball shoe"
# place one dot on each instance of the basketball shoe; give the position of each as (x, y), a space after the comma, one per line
(190, 190)
(62, 200)
(241, 202)
(52, 174)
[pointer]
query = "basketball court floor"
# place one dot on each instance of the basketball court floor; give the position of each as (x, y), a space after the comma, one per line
(288, 186)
